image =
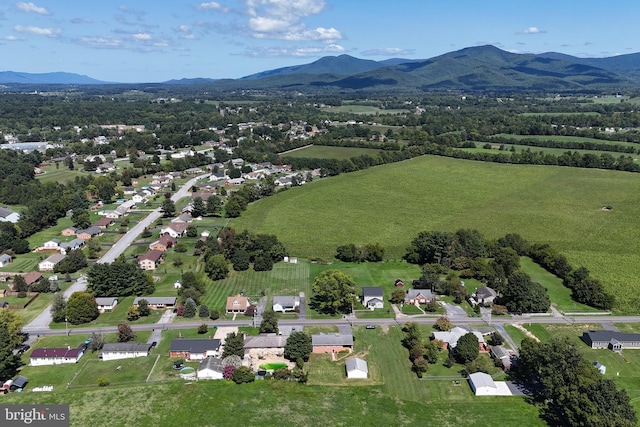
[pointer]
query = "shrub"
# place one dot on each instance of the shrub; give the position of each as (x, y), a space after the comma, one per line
(214, 315)
(203, 329)
(243, 375)
(103, 382)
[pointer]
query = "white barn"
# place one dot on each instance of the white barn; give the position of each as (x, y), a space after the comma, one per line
(483, 385)
(357, 368)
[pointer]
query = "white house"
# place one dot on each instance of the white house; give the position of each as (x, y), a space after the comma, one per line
(139, 198)
(55, 356)
(372, 297)
(285, 303)
(124, 350)
(52, 244)
(357, 368)
(210, 368)
(49, 263)
(106, 304)
(7, 215)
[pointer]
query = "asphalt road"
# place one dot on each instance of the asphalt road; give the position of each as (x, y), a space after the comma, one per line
(41, 323)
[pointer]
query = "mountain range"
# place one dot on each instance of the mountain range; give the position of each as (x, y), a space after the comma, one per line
(481, 68)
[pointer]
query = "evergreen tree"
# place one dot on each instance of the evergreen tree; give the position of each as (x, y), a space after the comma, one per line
(234, 344)
(203, 311)
(298, 346)
(269, 324)
(189, 308)
(58, 308)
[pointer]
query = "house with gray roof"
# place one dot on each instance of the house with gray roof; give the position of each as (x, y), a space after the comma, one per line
(5, 260)
(418, 296)
(372, 297)
(613, 340)
(157, 302)
(484, 295)
(73, 245)
(285, 303)
(124, 350)
(106, 304)
(50, 263)
(210, 368)
(194, 349)
(8, 215)
(331, 343)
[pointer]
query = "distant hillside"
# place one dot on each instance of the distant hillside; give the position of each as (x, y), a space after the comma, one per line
(337, 65)
(47, 78)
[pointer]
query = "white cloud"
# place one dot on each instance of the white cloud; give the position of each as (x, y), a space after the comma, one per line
(185, 32)
(311, 51)
(388, 51)
(531, 30)
(81, 21)
(282, 20)
(30, 7)
(101, 42)
(214, 5)
(141, 36)
(12, 38)
(49, 32)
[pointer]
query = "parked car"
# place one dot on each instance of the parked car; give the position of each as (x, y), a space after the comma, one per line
(371, 326)
(23, 347)
(153, 344)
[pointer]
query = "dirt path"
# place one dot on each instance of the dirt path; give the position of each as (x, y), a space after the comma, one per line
(526, 331)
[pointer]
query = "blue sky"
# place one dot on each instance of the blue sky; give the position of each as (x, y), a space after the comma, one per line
(158, 40)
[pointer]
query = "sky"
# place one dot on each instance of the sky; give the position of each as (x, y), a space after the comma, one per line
(134, 41)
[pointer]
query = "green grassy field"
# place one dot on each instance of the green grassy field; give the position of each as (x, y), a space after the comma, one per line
(327, 152)
(390, 204)
(61, 174)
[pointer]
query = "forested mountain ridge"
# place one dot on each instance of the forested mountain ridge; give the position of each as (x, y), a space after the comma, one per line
(475, 69)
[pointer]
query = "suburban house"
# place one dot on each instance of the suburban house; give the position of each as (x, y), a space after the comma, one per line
(105, 167)
(484, 295)
(164, 243)
(151, 260)
(500, 353)
(76, 243)
(157, 302)
(106, 304)
(103, 223)
(210, 368)
(483, 385)
(184, 217)
(450, 338)
(69, 231)
(194, 349)
(357, 368)
(285, 303)
(89, 233)
(139, 197)
(237, 304)
(331, 343)
(263, 344)
(128, 191)
(52, 244)
(7, 215)
(174, 229)
(124, 350)
(55, 356)
(418, 296)
(5, 260)
(372, 297)
(32, 277)
(613, 340)
(49, 263)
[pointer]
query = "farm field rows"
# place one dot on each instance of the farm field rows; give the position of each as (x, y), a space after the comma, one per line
(390, 204)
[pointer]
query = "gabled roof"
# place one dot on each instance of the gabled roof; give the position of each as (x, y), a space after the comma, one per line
(125, 347)
(212, 363)
(153, 255)
(5, 257)
(5, 212)
(480, 379)
(612, 335)
(50, 353)
(32, 277)
(236, 302)
(452, 336)
(103, 222)
(55, 258)
(414, 293)
(106, 300)
(265, 341)
(286, 301)
(357, 364)
(195, 345)
(157, 300)
(91, 231)
(331, 339)
(372, 291)
(485, 292)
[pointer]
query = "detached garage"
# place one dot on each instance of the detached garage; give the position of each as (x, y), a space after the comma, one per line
(357, 368)
(483, 385)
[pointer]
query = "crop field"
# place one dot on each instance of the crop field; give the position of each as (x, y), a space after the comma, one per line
(327, 152)
(390, 204)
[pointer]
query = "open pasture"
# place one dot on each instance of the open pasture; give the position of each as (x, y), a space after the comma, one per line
(328, 152)
(390, 204)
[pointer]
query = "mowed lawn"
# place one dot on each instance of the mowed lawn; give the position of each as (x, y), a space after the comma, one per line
(391, 204)
(393, 397)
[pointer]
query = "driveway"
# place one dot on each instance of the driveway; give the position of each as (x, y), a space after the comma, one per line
(302, 313)
(156, 335)
(454, 310)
